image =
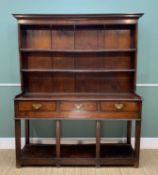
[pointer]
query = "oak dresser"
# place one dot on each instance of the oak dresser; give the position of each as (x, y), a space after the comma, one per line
(78, 67)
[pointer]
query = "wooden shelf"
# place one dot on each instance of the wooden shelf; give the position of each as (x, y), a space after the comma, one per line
(76, 70)
(75, 154)
(30, 50)
(80, 96)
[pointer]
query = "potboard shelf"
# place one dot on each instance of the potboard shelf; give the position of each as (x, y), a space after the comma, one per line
(117, 152)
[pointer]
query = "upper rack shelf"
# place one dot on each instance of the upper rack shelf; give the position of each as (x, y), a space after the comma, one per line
(77, 70)
(77, 50)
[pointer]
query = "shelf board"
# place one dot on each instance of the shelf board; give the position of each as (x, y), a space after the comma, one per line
(29, 50)
(76, 70)
(117, 150)
(111, 154)
(79, 96)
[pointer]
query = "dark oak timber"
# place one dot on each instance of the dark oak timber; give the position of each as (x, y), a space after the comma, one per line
(129, 130)
(98, 138)
(78, 67)
(27, 132)
(18, 142)
(58, 126)
(137, 142)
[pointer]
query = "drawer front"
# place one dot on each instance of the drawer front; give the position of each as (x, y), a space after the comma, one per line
(119, 106)
(78, 109)
(78, 106)
(36, 106)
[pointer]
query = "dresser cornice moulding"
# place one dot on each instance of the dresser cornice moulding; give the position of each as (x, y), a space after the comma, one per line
(138, 85)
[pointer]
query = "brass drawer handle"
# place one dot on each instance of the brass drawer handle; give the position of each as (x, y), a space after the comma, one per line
(37, 106)
(78, 106)
(119, 106)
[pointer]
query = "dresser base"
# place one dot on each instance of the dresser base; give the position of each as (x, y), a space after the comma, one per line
(97, 154)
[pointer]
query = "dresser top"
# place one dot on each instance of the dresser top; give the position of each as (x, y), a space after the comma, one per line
(80, 96)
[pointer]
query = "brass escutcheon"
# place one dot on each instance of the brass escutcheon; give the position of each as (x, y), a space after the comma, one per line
(119, 106)
(78, 106)
(37, 106)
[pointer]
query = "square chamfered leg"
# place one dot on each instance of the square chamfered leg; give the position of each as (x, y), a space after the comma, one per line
(58, 130)
(137, 142)
(27, 132)
(129, 130)
(18, 142)
(98, 139)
